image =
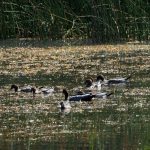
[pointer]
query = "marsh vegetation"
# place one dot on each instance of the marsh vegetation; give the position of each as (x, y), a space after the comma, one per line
(101, 21)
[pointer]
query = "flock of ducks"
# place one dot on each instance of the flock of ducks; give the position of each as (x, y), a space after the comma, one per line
(90, 86)
(87, 95)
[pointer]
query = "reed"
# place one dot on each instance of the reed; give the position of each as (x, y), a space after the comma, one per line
(100, 20)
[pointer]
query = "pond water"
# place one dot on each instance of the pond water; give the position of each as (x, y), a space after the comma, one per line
(119, 122)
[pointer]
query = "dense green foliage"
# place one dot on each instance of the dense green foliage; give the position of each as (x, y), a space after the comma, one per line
(99, 20)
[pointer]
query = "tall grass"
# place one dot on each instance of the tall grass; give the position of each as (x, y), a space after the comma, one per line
(99, 20)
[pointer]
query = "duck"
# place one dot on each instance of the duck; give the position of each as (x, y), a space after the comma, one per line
(46, 90)
(97, 95)
(118, 80)
(65, 105)
(42, 90)
(34, 91)
(23, 89)
(80, 97)
(91, 84)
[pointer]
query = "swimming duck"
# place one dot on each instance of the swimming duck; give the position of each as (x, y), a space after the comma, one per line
(47, 90)
(97, 95)
(23, 89)
(83, 97)
(65, 105)
(114, 80)
(90, 84)
(34, 91)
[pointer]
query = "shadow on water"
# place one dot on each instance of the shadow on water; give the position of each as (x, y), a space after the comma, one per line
(30, 42)
(119, 122)
(37, 43)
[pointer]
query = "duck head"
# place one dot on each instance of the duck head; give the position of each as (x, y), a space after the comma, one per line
(15, 87)
(100, 77)
(62, 106)
(88, 82)
(65, 93)
(33, 90)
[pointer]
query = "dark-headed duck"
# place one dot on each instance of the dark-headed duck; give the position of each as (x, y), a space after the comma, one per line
(118, 80)
(65, 105)
(23, 89)
(83, 97)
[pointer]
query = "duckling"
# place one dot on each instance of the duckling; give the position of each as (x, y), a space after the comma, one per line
(23, 89)
(90, 84)
(118, 80)
(83, 97)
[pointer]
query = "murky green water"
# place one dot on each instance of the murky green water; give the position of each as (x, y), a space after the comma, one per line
(120, 122)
